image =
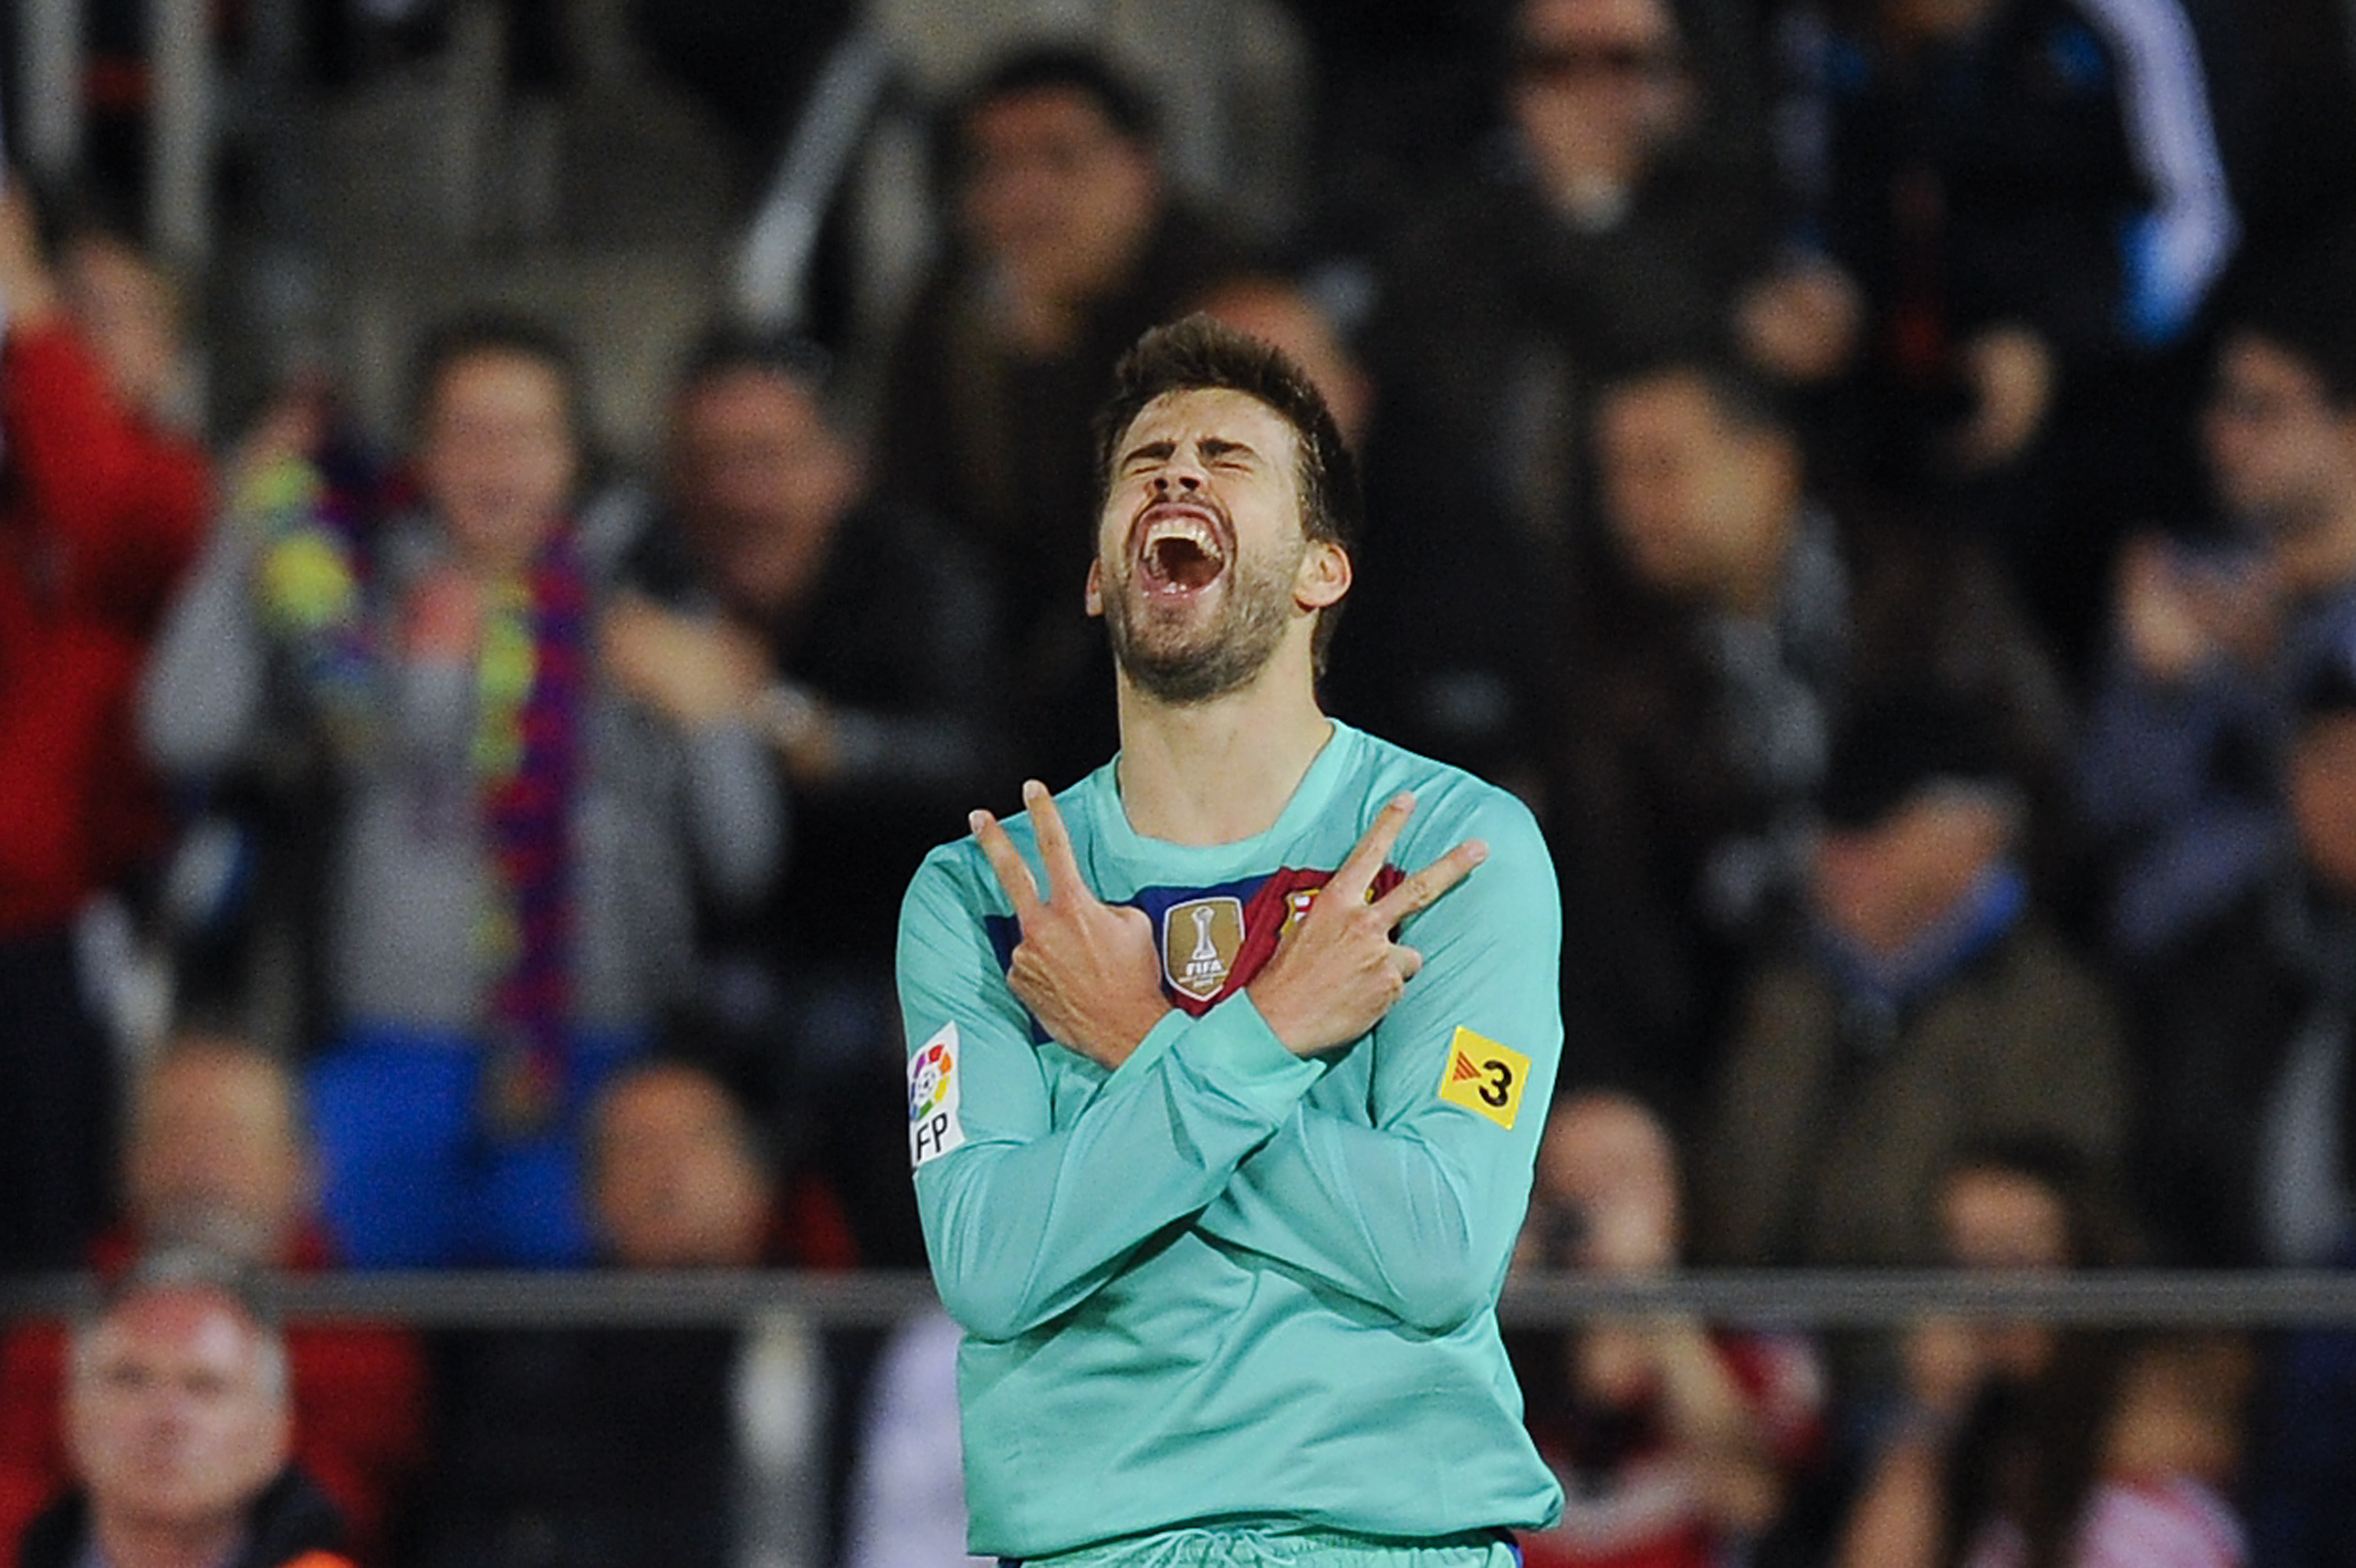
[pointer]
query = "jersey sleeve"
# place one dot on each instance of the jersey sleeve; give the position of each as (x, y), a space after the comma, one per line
(1416, 1214)
(1023, 1218)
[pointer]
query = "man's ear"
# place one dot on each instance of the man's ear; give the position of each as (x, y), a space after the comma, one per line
(1094, 600)
(1323, 577)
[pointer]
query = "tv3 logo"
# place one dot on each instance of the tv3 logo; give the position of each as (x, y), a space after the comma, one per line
(1484, 1077)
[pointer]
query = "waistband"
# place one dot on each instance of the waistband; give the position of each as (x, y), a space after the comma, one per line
(1283, 1546)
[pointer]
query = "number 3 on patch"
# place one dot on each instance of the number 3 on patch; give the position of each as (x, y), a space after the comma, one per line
(1484, 1077)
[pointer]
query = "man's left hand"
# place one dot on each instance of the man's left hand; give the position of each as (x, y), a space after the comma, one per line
(1086, 970)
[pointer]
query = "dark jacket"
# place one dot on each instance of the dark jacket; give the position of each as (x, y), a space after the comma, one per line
(1676, 839)
(291, 1525)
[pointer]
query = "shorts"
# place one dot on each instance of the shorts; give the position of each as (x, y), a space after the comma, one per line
(1266, 1546)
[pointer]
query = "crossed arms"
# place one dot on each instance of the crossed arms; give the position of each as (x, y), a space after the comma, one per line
(1202, 1121)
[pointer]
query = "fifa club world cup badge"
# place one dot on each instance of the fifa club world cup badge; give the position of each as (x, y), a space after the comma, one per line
(1200, 939)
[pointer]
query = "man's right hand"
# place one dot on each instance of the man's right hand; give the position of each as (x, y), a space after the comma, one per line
(1339, 971)
(1087, 970)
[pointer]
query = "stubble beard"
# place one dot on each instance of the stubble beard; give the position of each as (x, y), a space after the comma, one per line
(1225, 654)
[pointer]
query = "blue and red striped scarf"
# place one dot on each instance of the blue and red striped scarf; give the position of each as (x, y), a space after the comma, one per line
(531, 688)
(527, 768)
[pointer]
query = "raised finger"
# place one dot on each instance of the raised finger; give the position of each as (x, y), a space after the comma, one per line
(1424, 887)
(1356, 874)
(1054, 842)
(1006, 862)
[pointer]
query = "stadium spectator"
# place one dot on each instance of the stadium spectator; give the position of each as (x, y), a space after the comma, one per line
(2258, 1020)
(1924, 1003)
(1702, 672)
(521, 827)
(2031, 198)
(1676, 1444)
(176, 1417)
(103, 507)
(1069, 241)
(2022, 1444)
(2244, 1030)
(216, 1157)
(631, 1445)
(852, 630)
(1626, 217)
(2179, 772)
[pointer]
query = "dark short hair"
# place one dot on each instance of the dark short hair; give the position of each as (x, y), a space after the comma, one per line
(1742, 398)
(479, 333)
(727, 347)
(750, 1138)
(2101, 1229)
(1201, 352)
(1054, 67)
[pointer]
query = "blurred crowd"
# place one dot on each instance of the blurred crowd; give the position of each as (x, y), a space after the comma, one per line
(1877, 477)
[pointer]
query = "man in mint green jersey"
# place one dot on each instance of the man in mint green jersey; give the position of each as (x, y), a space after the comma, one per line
(1222, 1124)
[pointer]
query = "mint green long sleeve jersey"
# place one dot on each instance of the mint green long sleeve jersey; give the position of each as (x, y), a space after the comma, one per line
(1224, 1282)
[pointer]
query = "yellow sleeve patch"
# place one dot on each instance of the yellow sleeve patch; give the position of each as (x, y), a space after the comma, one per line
(1484, 1077)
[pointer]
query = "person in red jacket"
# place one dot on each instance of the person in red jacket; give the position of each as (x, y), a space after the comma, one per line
(102, 508)
(216, 1159)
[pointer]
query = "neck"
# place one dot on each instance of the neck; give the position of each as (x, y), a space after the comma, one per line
(141, 1544)
(1217, 772)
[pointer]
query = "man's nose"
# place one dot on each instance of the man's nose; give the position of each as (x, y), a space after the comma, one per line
(1177, 476)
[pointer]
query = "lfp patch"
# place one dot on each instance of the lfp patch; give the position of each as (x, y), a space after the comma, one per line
(1484, 1077)
(933, 1129)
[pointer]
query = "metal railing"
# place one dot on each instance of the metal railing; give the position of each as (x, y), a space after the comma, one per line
(1811, 1298)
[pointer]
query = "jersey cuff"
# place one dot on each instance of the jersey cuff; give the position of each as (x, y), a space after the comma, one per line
(1232, 1049)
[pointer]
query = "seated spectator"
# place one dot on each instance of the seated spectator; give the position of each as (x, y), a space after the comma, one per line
(521, 829)
(1069, 241)
(1675, 1444)
(216, 1157)
(103, 509)
(1745, 604)
(1923, 1003)
(853, 631)
(2021, 1444)
(177, 1417)
(643, 1445)
(679, 1181)
(2180, 770)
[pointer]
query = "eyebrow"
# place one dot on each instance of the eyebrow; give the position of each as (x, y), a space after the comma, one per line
(1210, 447)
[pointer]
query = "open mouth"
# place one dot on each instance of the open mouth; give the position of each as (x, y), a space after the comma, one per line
(1180, 550)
